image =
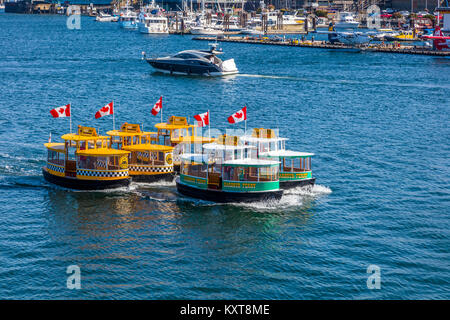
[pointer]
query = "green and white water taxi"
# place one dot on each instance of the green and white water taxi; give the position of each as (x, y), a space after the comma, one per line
(226, 172)
(295, 167)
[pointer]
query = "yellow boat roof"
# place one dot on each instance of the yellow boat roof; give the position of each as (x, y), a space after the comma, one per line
(166, 126)
(84, 134)
(118, 133)
(148, 147)
(101, 152)
(55, 146)
(129, 130)
(174, 122)
(76, 137)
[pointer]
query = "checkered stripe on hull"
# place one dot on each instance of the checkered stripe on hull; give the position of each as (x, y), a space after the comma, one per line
(53, 167)
(150, 169)
(103, 174)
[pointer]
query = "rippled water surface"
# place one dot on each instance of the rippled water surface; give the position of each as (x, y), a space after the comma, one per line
(378, 124)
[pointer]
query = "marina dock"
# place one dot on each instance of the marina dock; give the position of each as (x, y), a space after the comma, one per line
(402, 49)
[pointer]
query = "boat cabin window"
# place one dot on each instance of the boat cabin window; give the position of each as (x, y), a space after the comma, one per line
(147, 157)
(296, 164)
(194, 169)
(185, 56)
(98, 163)
(263, 174)
(264, 147)
(177, 133)
(56, 157)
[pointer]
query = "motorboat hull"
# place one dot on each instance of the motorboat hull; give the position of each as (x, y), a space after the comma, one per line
(128, 25)
(186, 69)
(206, 31)
(226, 196)
(80, 184)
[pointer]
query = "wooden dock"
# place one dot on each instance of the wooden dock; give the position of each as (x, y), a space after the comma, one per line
(326, 45)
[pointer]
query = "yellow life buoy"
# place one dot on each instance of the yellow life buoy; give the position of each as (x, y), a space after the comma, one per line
(123, 162)
(169, 158)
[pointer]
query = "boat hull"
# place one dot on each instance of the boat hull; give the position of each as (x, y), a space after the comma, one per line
(153, 177)
(79, 184)
(225, 196)
(184, 69)
(289, 184)
(128, 25)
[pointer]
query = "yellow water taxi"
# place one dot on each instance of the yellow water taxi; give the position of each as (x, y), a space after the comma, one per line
(85, 161)
(148, 161)
(181, 135)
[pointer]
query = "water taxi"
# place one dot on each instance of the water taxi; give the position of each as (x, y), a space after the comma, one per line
(181, 135)
(148, 161)
(225, 172)
(295, 167)
(85, 161)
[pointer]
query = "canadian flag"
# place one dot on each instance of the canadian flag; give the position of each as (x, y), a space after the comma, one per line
(239, 116)
(157, 107)
(202, 119)
(105, 111)
(61, 112)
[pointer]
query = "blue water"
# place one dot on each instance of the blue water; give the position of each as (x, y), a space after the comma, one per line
(378, 124)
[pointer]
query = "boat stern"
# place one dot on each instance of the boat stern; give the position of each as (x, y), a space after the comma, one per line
(229, 67)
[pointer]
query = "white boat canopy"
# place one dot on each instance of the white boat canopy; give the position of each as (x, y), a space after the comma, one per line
(286, 154)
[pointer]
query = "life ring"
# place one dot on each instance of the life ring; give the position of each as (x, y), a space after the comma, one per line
(169, 160)
(123, 162)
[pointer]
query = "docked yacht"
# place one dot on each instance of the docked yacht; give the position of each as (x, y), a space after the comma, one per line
(346, 21)
(128, 18)
(152, 24)
(195, 62)
(105, 17)
(207, 31)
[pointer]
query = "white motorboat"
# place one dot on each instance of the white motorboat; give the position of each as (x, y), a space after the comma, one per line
(346, 21)
(251, 31)
(195, 62)
(206, 31)
(105, 17)
(151, 24)
(128, 18)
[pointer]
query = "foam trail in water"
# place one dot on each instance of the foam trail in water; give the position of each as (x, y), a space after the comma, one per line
(157, 184)
(292, 198)
(266, 76)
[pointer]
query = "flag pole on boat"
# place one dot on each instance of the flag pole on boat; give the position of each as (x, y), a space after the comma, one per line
(70, 117)
(245, 121)
(114, 120)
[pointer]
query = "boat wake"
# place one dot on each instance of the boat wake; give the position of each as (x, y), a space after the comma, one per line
(266, 76)
(156, 184)
(291, 199)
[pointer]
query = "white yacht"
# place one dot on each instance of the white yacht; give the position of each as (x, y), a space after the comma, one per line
(346, 21)
(209, 31)
(128, 18)
(151, 24)
(105, 17)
